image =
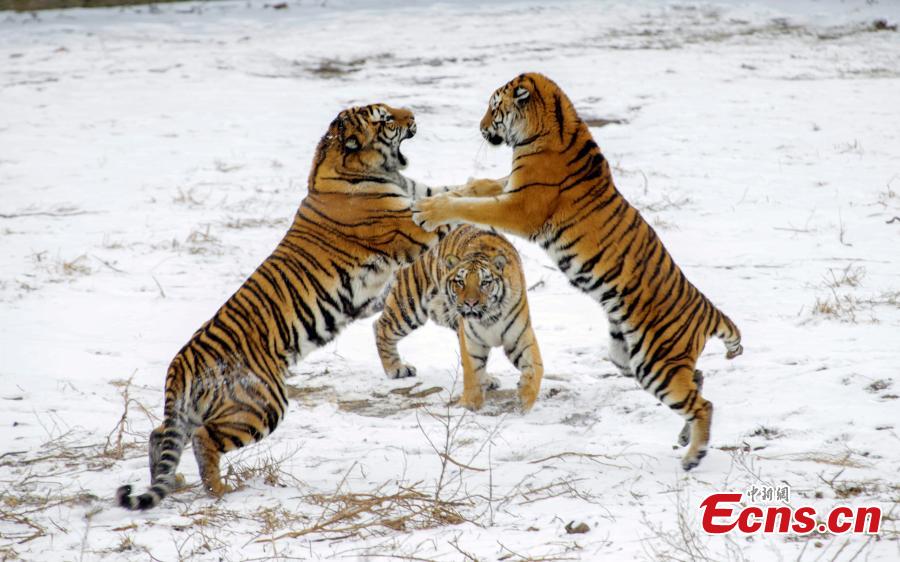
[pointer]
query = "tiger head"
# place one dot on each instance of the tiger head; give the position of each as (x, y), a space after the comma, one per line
(367, 138)
(475, 285)
(524, 110)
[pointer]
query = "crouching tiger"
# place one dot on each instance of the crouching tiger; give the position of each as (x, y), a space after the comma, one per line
(225, 388)
(561, 195)
(474, 277)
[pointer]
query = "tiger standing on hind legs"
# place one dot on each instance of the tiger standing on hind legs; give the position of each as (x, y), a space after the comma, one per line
(560, 194)
(225, 388)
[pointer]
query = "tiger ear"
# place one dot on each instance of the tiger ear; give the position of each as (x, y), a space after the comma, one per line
(499, 261)
(451, 260)
(521, 95)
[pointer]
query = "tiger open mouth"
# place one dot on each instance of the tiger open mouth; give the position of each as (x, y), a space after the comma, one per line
(408, 134)
(492, 138)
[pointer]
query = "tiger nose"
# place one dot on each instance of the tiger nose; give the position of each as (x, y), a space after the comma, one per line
(411, 128)
(472, 303)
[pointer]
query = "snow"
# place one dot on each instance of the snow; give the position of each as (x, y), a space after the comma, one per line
(171, 145)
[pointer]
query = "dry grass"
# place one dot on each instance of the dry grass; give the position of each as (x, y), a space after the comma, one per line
(878, 385)
(49, 479)
(59, 211)
(37, 482)
(109, 244)
(210, 515)
(400, 508)
(664, 203)
(660, 223)
(845, 459)
(515, 556)
(261, 222)
(766, 432)
(889, 197)
(225, 167)
(842, 305)
(188, 196)
(37, 488)
(838, 307)
(393, 506)
(116, 446)
(73, 267)
(62, 268)
(685, 542)
(848, 307)
(850, 276)
(888, 298)
(849, 147)
(202, 242)
(267, 469)
(335, 68)
(598, 122)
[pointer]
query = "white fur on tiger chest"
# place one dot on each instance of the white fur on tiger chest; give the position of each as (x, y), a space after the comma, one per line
(372, 279)
(440, 311)
(367, 287)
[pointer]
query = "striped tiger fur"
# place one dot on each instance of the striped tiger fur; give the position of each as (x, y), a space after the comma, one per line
(475, 276)
(225, 388)
(561, 195)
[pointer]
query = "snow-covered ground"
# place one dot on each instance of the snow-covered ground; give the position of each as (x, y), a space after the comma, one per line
(151, 157)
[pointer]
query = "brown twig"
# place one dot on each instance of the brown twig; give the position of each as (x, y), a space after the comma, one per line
(158, 286)
(107, 264)
(461, 465)
(120, 426)
(590, 456)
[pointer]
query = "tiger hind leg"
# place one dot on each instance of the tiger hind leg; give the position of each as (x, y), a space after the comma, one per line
(675, 387)
(618, 350)
(207, 453)
(685, 436)
(156, 438)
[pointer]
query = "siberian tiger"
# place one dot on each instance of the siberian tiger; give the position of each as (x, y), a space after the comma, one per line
(561, 195)
(474, 276)
(225, 388)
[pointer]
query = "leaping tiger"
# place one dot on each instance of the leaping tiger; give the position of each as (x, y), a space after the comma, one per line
(225, 388)
(561, 195)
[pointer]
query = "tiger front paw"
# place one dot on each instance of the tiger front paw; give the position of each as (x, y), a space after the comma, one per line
(489, 382)
(401, 372)
(472, 400)
(481, 188)
(429, 213)
(528, 393)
